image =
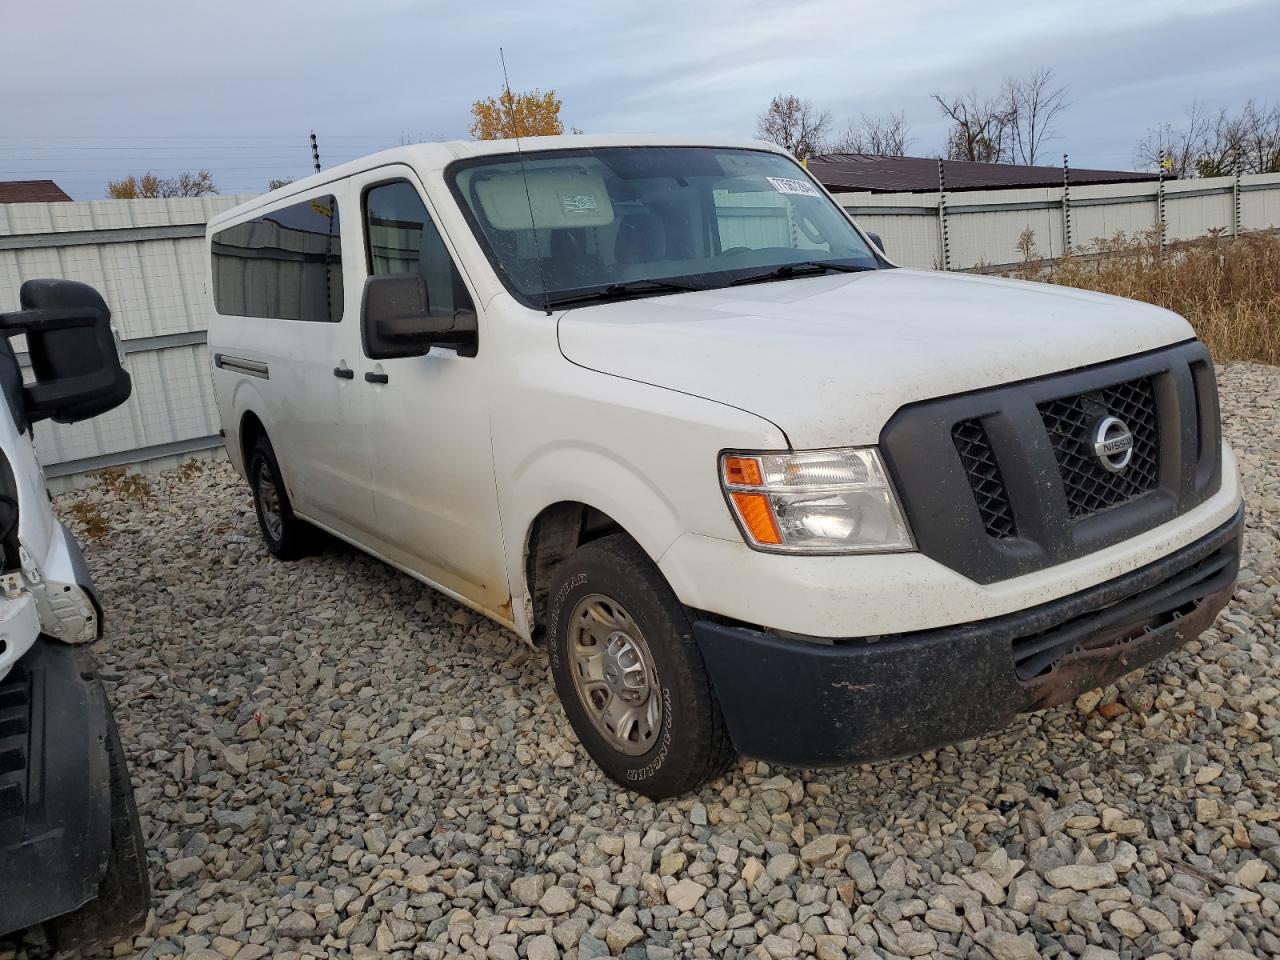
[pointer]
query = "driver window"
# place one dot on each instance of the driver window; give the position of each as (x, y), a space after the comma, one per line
(402, 239)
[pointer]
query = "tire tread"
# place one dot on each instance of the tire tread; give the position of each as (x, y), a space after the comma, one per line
(627, 559)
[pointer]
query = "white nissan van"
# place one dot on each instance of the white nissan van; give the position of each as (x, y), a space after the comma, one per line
(659, 406)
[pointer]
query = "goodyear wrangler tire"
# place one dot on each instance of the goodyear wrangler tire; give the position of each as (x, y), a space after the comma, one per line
(629, 673)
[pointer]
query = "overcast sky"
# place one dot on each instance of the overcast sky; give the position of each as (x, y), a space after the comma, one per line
(89, 91)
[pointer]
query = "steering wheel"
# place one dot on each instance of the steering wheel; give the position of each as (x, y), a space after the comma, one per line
(735, 251)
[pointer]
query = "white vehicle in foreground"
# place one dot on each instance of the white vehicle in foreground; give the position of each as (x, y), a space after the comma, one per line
(72, 861)
(660, 407)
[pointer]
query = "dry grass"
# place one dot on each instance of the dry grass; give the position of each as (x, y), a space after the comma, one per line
(1229, 289)
(88, 521)
(120, 482)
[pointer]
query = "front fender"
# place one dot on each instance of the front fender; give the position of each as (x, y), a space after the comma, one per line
(644, 456)
(604, 479)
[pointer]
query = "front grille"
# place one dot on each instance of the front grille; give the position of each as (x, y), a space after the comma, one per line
(1001, 482)
(980, 465)
(1070, 421)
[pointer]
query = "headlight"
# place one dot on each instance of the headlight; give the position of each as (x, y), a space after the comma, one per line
(820, 501)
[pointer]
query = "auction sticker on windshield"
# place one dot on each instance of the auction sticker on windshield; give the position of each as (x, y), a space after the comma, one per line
(580, 203)
(798, 187)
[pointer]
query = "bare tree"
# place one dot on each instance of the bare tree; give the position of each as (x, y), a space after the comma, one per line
(409, 139)
(1215, 145)
(1034, 103)
(885, 136)
(275, 183)
(1260, 138)
(794, 124)
(1221, 150)
(1175, 148)
(981, 129)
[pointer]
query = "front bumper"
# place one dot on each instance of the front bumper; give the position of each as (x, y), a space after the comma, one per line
(896, 593)
(858, 700)
(71, 846)
(55, 800)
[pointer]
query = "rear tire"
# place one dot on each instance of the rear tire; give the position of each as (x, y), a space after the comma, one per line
(287, 537)
(629, 673)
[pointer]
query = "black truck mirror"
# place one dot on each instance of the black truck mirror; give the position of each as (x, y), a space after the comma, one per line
(396, 319)
(72, 349)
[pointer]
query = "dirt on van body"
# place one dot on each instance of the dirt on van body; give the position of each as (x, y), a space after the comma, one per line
(332, 760)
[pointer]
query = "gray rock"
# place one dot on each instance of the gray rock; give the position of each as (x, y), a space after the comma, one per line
(781, 866)
(556, 900)
(527, 891)
(685, 894)
(1007, 946)
(183, 868)
(857, 867)
(1082, 876)
(589, 948)
(297, 926)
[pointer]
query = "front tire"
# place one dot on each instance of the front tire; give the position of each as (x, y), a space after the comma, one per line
(287, 537)
(629, 673)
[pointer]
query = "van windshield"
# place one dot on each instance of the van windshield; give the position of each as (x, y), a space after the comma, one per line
(600, 223)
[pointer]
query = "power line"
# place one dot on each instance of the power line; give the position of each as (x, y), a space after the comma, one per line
(151, 169)
(129, 157)
(282, 139)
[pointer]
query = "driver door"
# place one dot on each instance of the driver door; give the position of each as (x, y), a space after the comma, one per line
(435, 498)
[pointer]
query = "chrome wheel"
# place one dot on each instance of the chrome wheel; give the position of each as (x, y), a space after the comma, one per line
(613, 674)
(269, 502)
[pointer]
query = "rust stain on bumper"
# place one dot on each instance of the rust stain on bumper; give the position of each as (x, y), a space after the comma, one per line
(1089, 669)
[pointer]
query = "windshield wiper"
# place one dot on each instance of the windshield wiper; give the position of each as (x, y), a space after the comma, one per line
(625, 288)
(802, 269)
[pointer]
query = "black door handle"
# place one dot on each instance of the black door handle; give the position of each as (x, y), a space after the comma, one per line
(376, 377)
(344, 373)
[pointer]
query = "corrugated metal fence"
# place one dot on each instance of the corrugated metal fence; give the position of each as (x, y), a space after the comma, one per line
(959, 231)
(147, 258)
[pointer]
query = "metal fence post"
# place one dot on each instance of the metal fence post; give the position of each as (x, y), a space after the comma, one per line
(1066, 207)
(1161, 226)
(944, 239)
(1235, 205)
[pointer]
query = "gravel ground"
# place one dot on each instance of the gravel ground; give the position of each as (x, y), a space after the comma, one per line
(331, 760)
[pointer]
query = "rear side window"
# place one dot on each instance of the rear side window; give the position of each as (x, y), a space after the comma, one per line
(285, 265)
(402, 239)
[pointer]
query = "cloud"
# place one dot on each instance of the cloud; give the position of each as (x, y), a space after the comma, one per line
(237, 87)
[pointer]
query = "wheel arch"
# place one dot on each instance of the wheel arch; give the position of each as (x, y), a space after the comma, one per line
(251, 428)
(552, 535)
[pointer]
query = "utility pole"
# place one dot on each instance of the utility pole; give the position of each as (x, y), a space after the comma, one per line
(315, 152)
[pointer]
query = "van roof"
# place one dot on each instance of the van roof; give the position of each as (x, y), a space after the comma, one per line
(436, 156)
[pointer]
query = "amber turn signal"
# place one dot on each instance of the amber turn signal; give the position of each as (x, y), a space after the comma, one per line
(757, 517)
(742, 472)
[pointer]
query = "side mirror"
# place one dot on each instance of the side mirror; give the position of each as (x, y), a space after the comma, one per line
(73, 351)
(875, 238)
(396, 319)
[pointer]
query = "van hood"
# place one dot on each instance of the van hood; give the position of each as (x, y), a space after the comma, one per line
(829, 359)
